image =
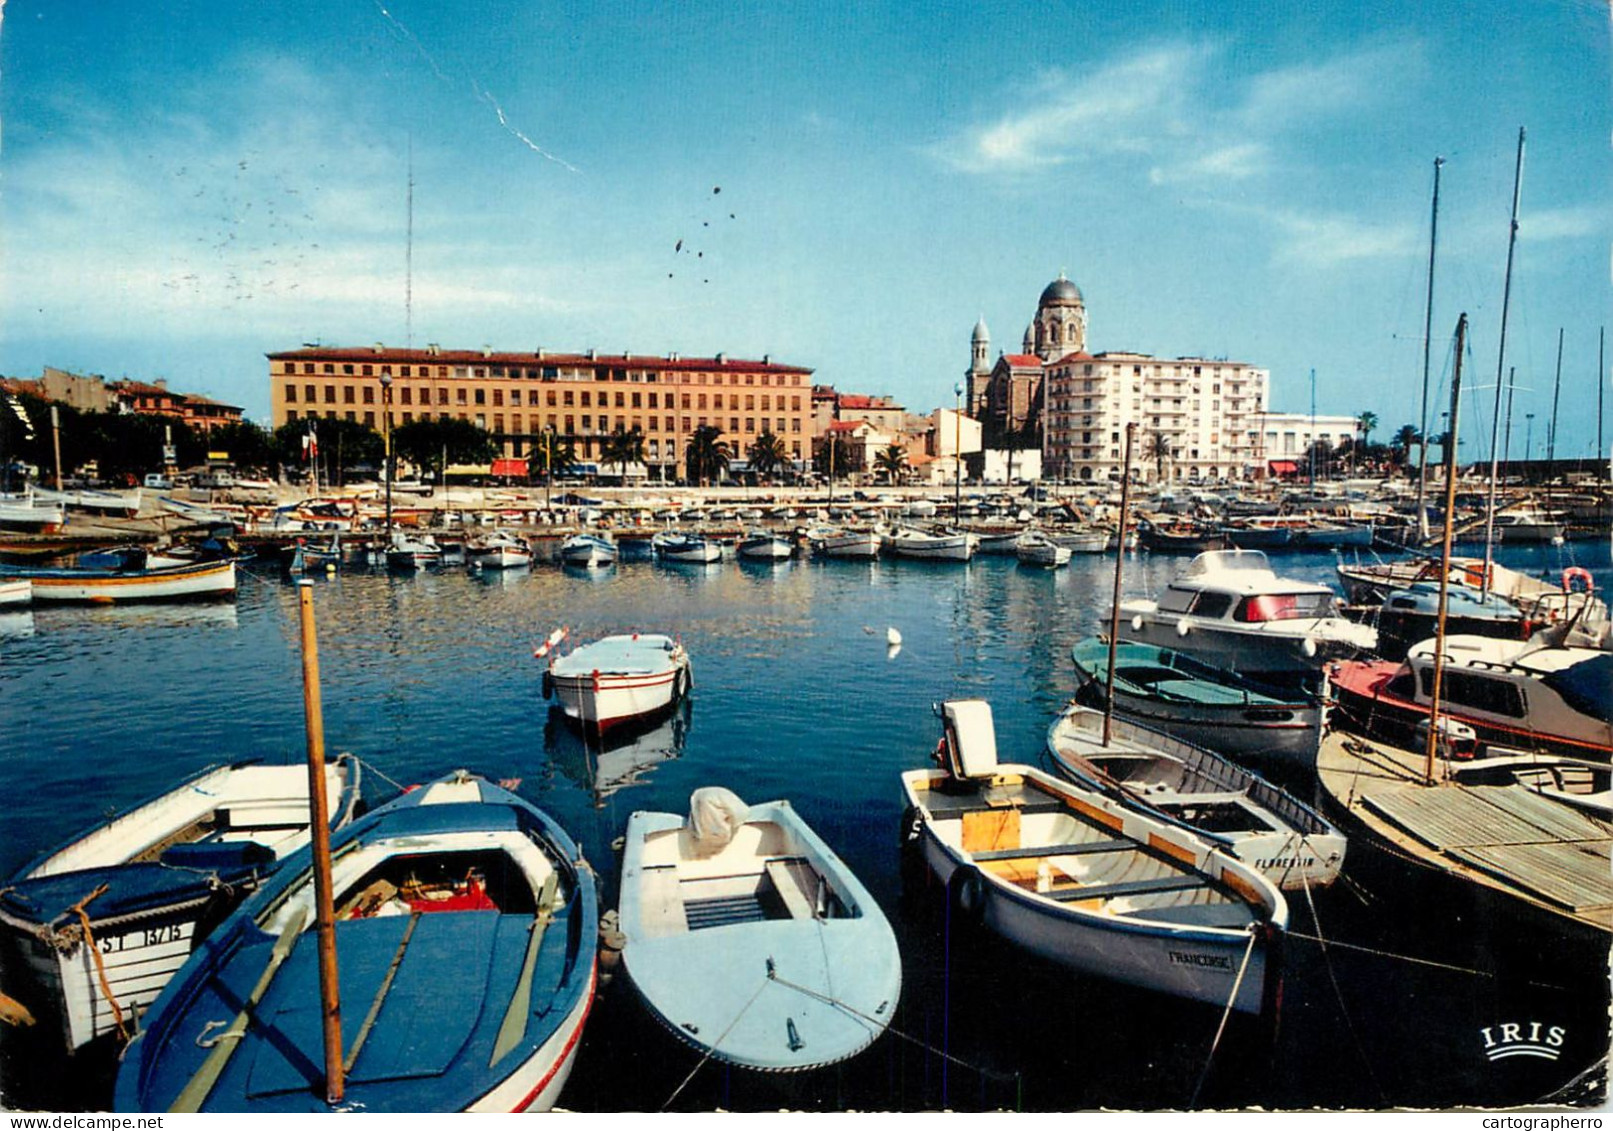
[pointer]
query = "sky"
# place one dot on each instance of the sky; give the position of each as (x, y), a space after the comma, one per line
(185, 187)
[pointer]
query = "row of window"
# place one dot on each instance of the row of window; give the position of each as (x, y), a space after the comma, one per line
(568, 398)
(567, 424)
(536, 373)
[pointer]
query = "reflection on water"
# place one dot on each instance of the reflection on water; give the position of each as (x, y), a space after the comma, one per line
(626, 756)
(423, 673)
(17, 622)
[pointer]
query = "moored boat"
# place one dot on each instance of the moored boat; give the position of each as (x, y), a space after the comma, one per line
(844, 542)
(1088, 881)
(619, 678)
(498, 550)
(409, 552)
(91, 931)
(1229, 609)
(921, 544)
(760, 545)
(1528, 695)
(689, 549)
(588, 551)
(1264, 826)
(16, 592)
(1033, 548)
(749, 939)
(97, 586)
(1200, 703)
(465, 926)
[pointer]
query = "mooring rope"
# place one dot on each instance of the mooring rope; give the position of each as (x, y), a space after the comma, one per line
(1349, 1022)
(1220, 1030)
(100, 963)
(875, 1023)
(701, 1063)
(1391, 954)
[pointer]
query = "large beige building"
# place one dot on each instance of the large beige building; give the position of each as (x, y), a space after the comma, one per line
(1197, 417)
(582, 396)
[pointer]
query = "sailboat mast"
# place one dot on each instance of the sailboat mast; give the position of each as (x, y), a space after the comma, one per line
(1500, 364)
(1114, 605)
(1506, 432)
(1428, 341)
(1445, 557)
(1556, 393)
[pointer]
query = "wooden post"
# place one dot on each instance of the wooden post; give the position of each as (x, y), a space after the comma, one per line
(56, 442)
(319, 829)
(1114, 607)
(1445, 559)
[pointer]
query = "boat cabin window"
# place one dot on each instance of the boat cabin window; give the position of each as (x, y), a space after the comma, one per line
(1211, 605)
(1176, 599)
(1283, 606)
(1477, 692)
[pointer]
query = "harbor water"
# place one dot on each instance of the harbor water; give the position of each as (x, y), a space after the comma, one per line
(796, 695)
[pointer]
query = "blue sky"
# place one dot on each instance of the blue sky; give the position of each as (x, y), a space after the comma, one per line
(186, 186)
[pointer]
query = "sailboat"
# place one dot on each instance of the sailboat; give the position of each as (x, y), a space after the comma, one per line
(1496, 859)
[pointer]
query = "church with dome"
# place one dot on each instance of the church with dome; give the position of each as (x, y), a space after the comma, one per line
(1198, 418)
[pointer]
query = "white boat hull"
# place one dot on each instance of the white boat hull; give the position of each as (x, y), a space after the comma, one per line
(863, 544)
(935, 548)
(212, 579)
(14, 593)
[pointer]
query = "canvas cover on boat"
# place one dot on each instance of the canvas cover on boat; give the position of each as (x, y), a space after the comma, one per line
(715, 815)
(971, 738)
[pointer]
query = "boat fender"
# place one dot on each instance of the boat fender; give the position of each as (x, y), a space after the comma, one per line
(1137, 623)
(967, 892)
(612, 941)
(680, 684)
(1308, 646)
(912, 827)
(1579, 573)
(1184, 626)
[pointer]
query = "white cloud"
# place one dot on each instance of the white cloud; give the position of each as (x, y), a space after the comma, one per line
(1300, 94)
(1561, 224)
(1326, 241)
(1234, 162)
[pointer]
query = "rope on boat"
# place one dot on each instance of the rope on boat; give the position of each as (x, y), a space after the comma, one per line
(378, 772)
(1349, 1022)
(100, 963)
(1220, 1030)
(707, 1055)
(877, 1024)
(1391, 954)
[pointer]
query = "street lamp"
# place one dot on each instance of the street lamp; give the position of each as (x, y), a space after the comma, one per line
(957, 454)
(548, 465)
(386, 440)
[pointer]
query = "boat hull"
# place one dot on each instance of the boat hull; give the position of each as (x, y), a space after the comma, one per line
(587, 553)
(849, 545)
(202, 581)
(601, 686)
(1190, 962)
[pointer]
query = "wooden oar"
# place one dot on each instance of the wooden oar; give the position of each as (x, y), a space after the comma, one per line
(513, 1027)
(195, 1092)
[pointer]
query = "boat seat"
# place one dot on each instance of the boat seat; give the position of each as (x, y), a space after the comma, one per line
(1054, 850)
(971, 738)
(786, 877)
(661, 906)
(1132, 887)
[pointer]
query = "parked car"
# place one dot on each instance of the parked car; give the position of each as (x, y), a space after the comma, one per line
(159, 482)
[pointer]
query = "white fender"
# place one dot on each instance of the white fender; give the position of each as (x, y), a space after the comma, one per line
(1183, 627)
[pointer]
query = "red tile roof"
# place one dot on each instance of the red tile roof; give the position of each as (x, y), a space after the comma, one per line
(1023, 360)
(425, 356)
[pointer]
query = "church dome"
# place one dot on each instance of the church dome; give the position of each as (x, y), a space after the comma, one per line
(981, 334)
(1061, 292)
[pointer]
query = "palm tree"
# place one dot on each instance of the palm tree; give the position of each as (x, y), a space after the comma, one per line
(557, 453)
(706, 456)
(1404, 439)
(767, 455)
(831, 457)
(1158, 449)
(892, 461)
(1364, 424)
(622, 448)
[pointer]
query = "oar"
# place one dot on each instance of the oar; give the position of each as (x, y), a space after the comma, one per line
(196, 1090)
(513, 1027)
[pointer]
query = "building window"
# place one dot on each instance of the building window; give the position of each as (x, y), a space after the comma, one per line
(481, 396)
(498, 397)
(347, 370)
(459, 396)
(406, 395)
(291, 416)
(330, 394)
(291, 394)
(369, 394)
(369, 419)
(442, 399)
(351, 418)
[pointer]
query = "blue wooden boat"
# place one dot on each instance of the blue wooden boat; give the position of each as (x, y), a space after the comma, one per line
(1200, 703)
(466, 922)
(749, 939)
(92, 930)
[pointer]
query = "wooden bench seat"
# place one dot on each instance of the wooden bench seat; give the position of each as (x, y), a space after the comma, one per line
(1080, 849)
(1132, 887)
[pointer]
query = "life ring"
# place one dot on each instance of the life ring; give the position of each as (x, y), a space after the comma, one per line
(1580, 573)
(966, 891)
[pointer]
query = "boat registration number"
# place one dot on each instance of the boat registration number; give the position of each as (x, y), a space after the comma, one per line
(145, 936)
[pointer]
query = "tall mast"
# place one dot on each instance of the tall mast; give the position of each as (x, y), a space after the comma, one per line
(1445, 559)
(1313, 432)
(1601, 385)
(1500, 363)
(1428, 339)
(1114, 605)
(1506, 432)
(408, 259)
(1556, 392)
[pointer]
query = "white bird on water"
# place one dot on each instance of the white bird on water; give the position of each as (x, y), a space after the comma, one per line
(893, 638)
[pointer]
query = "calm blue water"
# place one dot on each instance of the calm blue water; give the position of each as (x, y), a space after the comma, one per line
(796, 696)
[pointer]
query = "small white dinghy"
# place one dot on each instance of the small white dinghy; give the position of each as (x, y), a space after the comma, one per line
(617, 678)
(92, 931)
(749, 939)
